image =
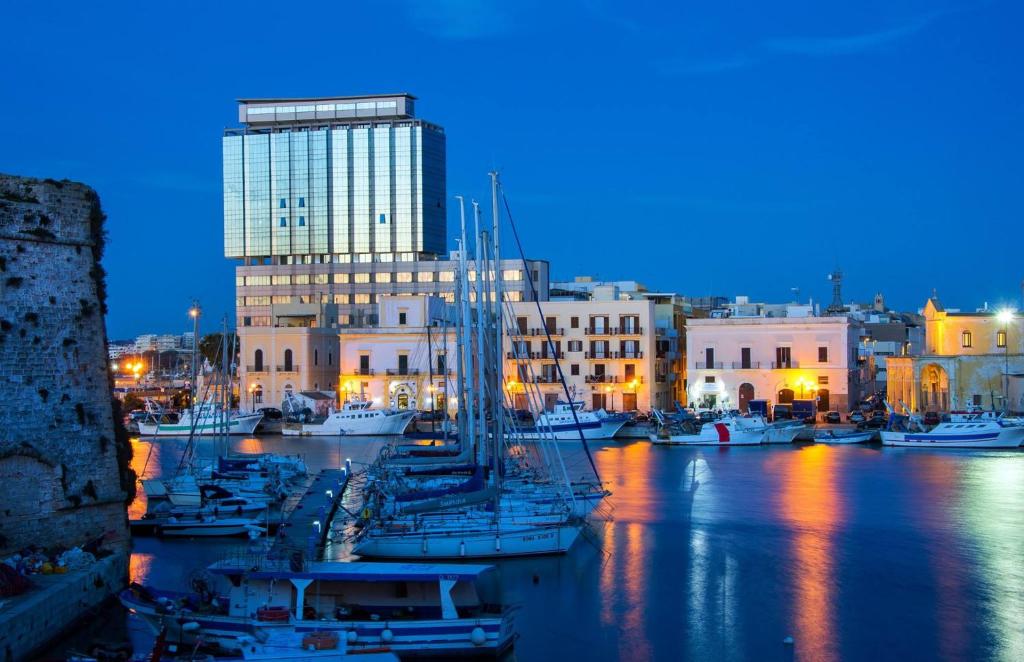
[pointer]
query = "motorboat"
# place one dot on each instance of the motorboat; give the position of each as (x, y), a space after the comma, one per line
(842, 437)
(355, 419)
(980, 433)
(415, 609)
(207, 526)
(568, 421)
(783, 431)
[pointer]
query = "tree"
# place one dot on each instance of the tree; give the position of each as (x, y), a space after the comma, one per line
(209, 348)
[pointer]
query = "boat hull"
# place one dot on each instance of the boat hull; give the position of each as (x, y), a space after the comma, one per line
(457, 545)
(591, 431)
(717, 434)
(377, 426)
(217, 529)
(237, 425)
(843, 438)
(409, 638)
(1002, 438)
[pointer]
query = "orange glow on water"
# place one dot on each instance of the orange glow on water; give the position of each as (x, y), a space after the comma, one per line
(140, 566)
(249, 445)
(811, 504)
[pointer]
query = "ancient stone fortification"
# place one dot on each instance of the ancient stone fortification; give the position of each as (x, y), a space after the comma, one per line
(63, 471)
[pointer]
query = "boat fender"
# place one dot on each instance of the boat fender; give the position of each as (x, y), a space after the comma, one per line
(351, 636)
(478, 637)
(190, 626)
(462, 548)
(386, 635)
(497, 543)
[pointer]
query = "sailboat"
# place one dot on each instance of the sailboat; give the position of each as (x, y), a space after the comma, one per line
(509, 507)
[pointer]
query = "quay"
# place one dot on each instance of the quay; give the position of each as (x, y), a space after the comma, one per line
(306, 525)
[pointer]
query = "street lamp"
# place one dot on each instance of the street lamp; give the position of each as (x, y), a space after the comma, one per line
(1005, 316)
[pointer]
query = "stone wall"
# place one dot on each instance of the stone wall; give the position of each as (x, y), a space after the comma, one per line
(63, 469)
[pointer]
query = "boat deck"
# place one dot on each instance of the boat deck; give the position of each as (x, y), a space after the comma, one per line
(300, 532)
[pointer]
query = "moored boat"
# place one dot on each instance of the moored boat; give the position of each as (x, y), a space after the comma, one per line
(842, 437)
(561, 423)
(983, 433)
(355, 419)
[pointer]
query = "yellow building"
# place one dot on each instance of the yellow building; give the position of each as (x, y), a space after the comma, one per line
(970, 359)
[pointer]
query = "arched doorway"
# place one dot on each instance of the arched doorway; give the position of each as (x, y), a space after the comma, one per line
(257, 395)
(823, 400)
(786, 396)
(934, 388)
(746, 394)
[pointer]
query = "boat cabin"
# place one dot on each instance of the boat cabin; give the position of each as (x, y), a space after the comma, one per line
(354, 591)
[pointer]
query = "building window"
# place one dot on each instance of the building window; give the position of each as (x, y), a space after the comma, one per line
(284, 222)
(823, 379)
(709, 358)
(783, 357)
(574, 369)
(965, 338)
(302, 202)
(382, 277)
(257, 359)
(362, 278)
(976, 400)
(441, 364)
(574, 322)
(1000, 338)
(710, 379)
(316, 357)
(330, 358)
(425, 277)
(745, 358)
(257, 395)
(283, 204)
(823, 355)
(403, 364)
(361, 298)
(402, 319)
(341, 278)
(302, 221)
(287, 360)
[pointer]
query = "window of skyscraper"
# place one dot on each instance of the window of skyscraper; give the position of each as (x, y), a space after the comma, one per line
(382, 277)
(302, 221)
(283, 204)
(361, 278)
(425, 277)
(340, 278)
(284, 222)
(302, 202)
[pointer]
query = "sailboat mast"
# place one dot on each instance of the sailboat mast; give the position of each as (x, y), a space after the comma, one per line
(430, 369)
(499, 364)
(480, 321)
(466, 406)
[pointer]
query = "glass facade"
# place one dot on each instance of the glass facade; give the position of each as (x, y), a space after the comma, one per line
(364, 189)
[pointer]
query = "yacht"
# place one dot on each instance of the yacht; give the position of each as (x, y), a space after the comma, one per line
(414, 609)
(355, 419)
(842, 436)
(561, 424)
(980, 433)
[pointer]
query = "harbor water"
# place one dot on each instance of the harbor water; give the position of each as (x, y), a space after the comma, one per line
(853, 552)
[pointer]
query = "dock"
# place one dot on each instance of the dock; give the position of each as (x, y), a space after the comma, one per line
(306, 524)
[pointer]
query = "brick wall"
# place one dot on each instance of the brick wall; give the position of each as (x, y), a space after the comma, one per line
(60, 482)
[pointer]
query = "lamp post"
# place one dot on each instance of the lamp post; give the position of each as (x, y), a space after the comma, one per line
(194, 313)
(1006, 316)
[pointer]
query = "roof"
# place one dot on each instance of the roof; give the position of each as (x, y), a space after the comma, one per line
(358, 571)
(347, 98)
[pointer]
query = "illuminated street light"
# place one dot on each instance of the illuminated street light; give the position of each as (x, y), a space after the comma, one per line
(1005, 315)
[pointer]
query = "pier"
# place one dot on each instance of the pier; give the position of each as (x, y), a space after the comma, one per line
(306, 523)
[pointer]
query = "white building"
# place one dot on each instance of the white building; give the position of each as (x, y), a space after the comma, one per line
(734, 360)
(607, 348)
(402, 361)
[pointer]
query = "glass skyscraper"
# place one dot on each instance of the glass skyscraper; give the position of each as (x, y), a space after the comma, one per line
(344, 176)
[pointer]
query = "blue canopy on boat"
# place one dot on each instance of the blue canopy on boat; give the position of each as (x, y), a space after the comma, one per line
(357, 571)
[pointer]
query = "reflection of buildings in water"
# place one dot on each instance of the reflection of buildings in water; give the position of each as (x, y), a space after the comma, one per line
(140, 566)
(939, 485)
(810, 503)
(989, 504)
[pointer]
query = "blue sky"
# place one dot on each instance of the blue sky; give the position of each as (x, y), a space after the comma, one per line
(727, 147)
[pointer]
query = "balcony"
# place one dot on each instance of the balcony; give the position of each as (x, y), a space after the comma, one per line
(559, 331)
(252, 369)
(359, 372)
(703, 365)
(398, 372)
(631, 330)
(289, 368)
(749, 365)
(601, 331)
(601, 379)
(784, 365)
(549, 356)
(598, 356)
(632, 354)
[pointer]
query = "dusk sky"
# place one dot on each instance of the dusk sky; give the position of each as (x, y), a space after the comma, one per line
(703, 148)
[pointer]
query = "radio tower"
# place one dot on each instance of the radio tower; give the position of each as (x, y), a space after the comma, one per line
(836, 307)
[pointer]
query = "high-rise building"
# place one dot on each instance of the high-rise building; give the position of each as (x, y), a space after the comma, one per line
(329, 204)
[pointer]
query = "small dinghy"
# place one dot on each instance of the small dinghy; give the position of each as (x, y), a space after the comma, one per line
(841, 437)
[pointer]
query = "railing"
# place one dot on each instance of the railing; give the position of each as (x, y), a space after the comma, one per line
(601, 379)
(408, 372)
(549, 356)
(597, 355)
(289, 368)
(784, 365)
(631, 330)
(360, 372)
(746, 365)
(632, 354)
(560, 331)
(261, 368)
(601, 331)
(704, 365)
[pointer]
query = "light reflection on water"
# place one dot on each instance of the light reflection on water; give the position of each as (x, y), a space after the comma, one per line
(721, 553)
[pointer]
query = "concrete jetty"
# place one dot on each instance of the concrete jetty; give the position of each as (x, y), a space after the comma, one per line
(306, 525)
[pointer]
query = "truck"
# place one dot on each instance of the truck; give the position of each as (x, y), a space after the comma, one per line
(805, 410)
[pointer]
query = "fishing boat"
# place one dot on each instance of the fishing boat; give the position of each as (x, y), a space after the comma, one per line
(205, 420)
(682, 431)
(842, 437)
(783, 432)
(355, 419)
(433, 610)
(206, 526)
(567, 421)
(983, 433)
